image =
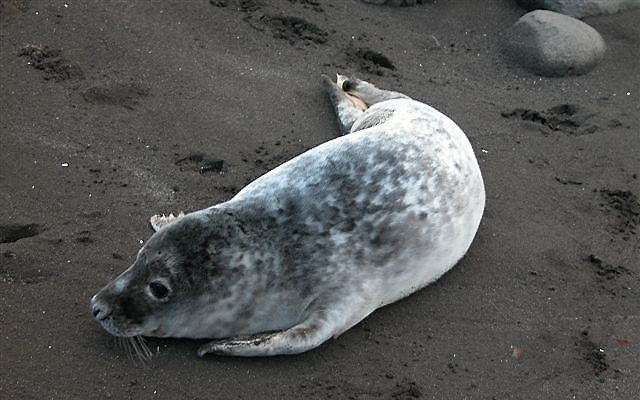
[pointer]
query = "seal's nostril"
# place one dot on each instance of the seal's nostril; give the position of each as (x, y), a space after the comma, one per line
(99, 311)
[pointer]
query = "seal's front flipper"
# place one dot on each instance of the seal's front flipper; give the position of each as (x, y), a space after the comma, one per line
(302, 337)
(158, 221)
(348, 108)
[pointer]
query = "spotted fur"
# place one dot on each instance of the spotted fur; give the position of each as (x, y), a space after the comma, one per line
(312, 247)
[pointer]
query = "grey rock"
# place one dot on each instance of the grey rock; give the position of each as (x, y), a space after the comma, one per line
(581, 8)
(553, 44)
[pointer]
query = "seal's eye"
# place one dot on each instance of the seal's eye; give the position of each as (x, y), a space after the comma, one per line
(158, 290)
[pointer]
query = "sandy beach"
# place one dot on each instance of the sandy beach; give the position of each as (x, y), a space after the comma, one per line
(112, 111)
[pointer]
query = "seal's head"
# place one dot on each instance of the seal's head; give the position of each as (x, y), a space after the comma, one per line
(177, 274)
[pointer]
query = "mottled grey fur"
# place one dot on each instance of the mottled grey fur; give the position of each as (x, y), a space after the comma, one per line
(311, 248)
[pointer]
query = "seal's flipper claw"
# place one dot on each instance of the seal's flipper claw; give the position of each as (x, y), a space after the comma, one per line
(158, 221)
(302, 337)
(326, 78)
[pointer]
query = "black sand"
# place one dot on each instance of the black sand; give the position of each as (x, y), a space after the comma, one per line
(113, 111)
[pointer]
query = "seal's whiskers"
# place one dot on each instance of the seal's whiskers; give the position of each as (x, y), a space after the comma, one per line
(139, 345)
(136, 348)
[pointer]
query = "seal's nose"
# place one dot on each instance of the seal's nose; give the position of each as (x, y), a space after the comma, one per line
(99, 311)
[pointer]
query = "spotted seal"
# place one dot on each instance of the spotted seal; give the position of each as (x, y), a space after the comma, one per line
(311, 248)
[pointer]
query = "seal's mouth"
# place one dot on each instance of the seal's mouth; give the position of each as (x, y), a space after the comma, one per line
(110, 326)
(104, 315)
(128, 339)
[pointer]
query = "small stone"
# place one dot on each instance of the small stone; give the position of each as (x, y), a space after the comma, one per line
(552, 44)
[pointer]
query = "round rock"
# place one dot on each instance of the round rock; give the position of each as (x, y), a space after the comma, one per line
(581, 8)
(552, 44)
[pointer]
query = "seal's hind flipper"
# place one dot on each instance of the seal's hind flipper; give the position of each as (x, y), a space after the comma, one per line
(347, 108)
(158, 221)
(302, 337)
(367, 92)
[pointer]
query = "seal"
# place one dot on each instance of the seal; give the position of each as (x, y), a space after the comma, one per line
(312, 247)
